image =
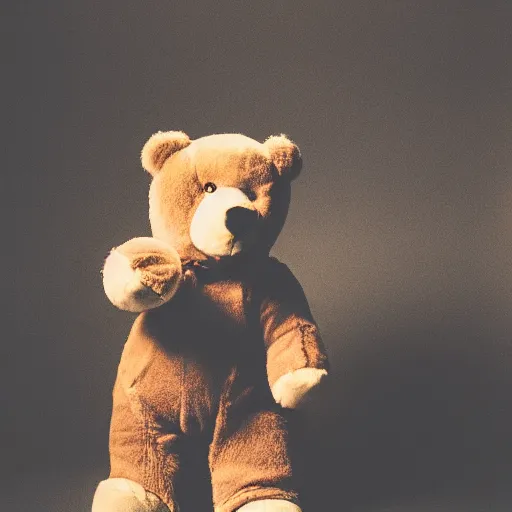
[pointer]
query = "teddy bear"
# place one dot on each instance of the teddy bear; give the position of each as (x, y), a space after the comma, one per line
(224, 343)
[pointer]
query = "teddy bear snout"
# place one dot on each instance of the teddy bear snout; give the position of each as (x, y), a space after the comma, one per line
(241, 221)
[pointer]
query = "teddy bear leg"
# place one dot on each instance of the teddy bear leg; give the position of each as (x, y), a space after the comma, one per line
(250, 463)
(270, 506)
(123, 495)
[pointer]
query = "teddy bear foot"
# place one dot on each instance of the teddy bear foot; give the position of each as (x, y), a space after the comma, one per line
(270, 506)
(123, 495)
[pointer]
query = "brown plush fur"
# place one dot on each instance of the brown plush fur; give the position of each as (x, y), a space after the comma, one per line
(285, 155)
(199, 368)
(160, 147)
(233, 161)
(196, 367)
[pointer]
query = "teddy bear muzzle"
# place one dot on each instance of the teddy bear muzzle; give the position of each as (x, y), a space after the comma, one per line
(224, 223)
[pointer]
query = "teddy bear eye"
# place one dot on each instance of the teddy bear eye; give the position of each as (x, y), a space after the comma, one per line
(210, 187)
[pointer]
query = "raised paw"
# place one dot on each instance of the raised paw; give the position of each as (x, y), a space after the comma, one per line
(141, 274)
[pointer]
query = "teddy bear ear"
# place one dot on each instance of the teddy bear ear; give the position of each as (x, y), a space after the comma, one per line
(160, 147)
(285, 155)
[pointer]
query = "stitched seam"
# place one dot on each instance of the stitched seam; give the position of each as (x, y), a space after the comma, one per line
(302, 329)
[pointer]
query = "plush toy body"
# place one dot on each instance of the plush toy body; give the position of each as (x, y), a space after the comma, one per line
(225, 340)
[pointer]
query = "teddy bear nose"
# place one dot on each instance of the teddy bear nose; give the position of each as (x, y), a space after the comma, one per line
(240, 221)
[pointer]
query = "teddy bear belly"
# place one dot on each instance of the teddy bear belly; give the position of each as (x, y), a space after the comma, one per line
(173, 370)
(172, 391)
(163, 398)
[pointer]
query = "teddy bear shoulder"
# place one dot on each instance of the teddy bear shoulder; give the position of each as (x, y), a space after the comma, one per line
(277, 283)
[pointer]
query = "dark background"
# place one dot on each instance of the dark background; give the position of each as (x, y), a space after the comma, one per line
(400, 228)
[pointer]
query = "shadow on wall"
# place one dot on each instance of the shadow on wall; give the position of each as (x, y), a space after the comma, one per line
(412, 421)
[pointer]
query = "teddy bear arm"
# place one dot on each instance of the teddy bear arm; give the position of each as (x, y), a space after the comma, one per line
(141, 274)
(297, 360)
(296, 365)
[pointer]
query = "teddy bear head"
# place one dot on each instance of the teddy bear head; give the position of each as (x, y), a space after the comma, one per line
(220, 195)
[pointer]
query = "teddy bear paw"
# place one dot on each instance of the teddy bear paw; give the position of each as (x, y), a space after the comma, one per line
(141, 275)
(291, 389)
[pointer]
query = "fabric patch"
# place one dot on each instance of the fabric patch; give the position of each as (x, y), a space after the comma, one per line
(155, 272)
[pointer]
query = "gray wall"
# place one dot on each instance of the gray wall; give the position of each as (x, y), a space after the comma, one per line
(400, 229)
